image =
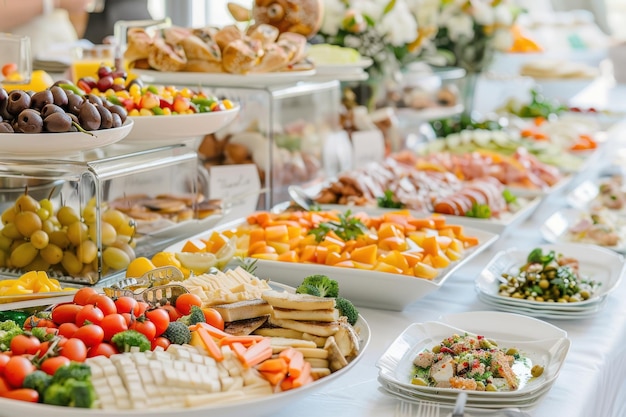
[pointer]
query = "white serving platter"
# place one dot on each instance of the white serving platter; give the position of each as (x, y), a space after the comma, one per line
(224, 79)
(262, 406)
(364, 288)
(57, 144)
(172, 129)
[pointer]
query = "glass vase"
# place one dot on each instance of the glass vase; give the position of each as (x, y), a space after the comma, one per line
(468, 92)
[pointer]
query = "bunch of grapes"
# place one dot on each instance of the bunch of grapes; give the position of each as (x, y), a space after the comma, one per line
(35, 236)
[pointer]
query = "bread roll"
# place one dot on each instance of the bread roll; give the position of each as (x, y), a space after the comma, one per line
(267, 34)
(241, 55)
(293, 43)
(226, 35)
(166, 57)
(274, 59)
(138, 43)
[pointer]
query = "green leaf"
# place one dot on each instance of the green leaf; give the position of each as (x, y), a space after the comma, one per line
(389, 7)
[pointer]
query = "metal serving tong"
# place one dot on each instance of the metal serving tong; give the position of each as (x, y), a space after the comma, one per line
(156, 287)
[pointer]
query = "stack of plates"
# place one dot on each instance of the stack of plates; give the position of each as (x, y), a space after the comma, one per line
(596, 263)
(538, 342)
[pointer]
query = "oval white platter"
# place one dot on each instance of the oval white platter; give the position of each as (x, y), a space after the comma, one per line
(223, 79)
(171, 129)
(56, 144)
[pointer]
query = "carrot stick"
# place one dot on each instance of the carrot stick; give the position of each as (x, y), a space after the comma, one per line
(246, 340)
(295, 361)
(273, 365)
(258, 352)
(273, 378)
(304, 377)
(240, 351)
(209, 344)
(212, 330)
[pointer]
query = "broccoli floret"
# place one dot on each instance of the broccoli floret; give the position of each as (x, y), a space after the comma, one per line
(8, 330)
(71, 393)
(178, 333)
(347, 309)
(130, 338)
(75, 370)
(37, 380)
(195, 316)
(325, 286)
(42, 334)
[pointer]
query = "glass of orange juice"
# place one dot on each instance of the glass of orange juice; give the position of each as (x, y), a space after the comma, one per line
(15, 59)
(87, 60)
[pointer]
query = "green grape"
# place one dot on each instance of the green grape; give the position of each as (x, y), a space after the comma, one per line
(77, 232)
(48, 226)
(10, 230)
(23, 255)
(122, 243)
(90, 214)
(39, 239)
(115, 258)
(38, 264)
(47, 205)
(27, 222)
(86, 252)
(59, 238)
(114, 217)
(127, 227)
(8, 215)
(71, 263)
(43, 214)
(52, 254)
(26, 203)
(67, 215)
(108, 234)
(3, 259)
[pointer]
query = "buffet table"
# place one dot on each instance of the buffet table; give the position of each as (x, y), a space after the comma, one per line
(591, 380)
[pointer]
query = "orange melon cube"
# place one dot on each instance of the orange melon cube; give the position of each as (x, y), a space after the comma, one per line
(257, 235)
(413, 257)
(430, 245)
(366, 254)
(444, 242)
(193, 246)
(387, 230)
(345, 264)
(453, 255)
(289, 256)
(440, 261)
(396, 259)
(294, 232)
(457, 246)
(307, 240)
(280, 247)
(308, 254)
(321, 253)
(385, 267)
(277, 233)
(361, 265)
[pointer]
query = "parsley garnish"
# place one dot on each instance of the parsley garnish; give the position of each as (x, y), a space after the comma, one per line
(480, 211)
(346, 228)
(388, 201)
(509, 197)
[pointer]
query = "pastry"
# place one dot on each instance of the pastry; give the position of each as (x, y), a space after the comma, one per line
(166, 57)
(297, 16)
(274, 59)
(294, 44)
(227, 35)
(138, 44)
(201, 65)
(267, 34)
(241, 55)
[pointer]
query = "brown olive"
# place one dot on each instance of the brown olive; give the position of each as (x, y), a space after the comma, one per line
(29, 121)
(74, 101)
(5, 127)
(106, 117)
(61, 82)
(3, 95)
(121, 111)
(89, 116)
(40, 99)
(58, 122)
(92, 98)
(59, 95)
(48, 109)
(18, 100)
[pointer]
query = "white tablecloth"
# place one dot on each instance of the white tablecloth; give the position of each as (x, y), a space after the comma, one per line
(592, 381)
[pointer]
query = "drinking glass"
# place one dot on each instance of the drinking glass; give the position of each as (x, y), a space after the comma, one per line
(15, 59)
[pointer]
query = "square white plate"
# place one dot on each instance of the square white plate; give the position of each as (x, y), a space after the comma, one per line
(396, 364)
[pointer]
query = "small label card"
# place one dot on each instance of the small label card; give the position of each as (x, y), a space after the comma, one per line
(367, 146)
(238, 186)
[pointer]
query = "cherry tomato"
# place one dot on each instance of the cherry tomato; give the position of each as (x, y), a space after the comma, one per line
(4, 386)
(92, 298)
(51, 365)
(141, 308)
(90, 334)
(16, 370)
(4, 359)
(106, 304)
(22, 344)
(67, 329)
(145, 327)
(74, 349)
(128, 318)
(160, 318)
(213, 317)
(65, 313)
(81, 297)
(171, 310)
(43, 348)
(113, 324)
(102, 349)
(126, 305)
(160, 341)
(22, 394)
(89, 313)
(185, 301)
